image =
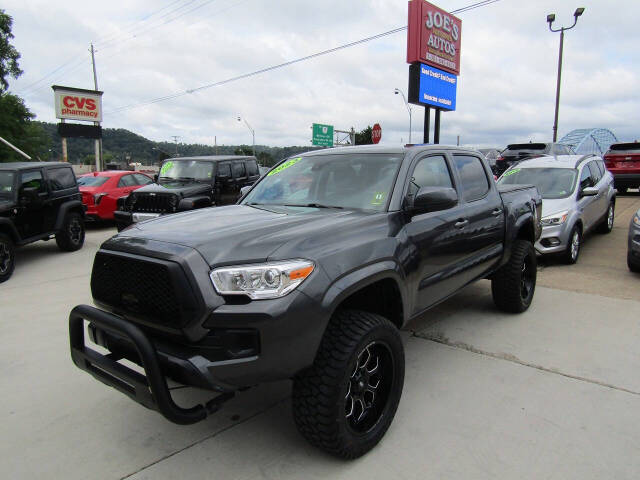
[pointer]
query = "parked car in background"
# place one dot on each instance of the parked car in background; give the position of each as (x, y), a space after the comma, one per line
(517, 152)
(577, 196)
(38, 201)
(188, 183)
(623, 161)
(101, 190)
(633, 252)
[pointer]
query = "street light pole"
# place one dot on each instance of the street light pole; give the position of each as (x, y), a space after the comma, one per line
(550, 19)
(253, 133)
(398, 91)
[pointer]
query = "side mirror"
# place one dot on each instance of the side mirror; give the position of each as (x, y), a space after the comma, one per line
(155, 178)
(589, 192)
(434, 199)
(244, 190)
(29, 197)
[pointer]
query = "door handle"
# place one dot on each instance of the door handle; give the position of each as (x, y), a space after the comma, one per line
(496, 212)
(461, 223)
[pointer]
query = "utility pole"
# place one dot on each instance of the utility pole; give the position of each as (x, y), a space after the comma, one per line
(98, 142)
(215, 142)
(175, 139)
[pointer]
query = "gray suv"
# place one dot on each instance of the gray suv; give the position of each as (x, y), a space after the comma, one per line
(577, 196)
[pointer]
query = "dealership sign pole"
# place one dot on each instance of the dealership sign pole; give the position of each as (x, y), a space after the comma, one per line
(78, 104)
(433, 52)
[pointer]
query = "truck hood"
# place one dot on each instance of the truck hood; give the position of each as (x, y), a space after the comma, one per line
(246, 234)
(182, 189)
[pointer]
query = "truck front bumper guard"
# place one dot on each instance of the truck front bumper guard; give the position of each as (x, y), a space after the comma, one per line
(150, 389)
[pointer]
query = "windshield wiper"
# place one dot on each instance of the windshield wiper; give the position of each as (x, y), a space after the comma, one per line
(313, 205)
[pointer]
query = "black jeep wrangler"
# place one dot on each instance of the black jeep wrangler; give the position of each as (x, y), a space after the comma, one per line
(309, 277)
(38, 201)
(187, 183)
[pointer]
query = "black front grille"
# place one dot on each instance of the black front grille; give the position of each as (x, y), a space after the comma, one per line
(154, 202)
(152, 290)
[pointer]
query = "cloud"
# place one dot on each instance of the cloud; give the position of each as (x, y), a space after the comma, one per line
(506, 90)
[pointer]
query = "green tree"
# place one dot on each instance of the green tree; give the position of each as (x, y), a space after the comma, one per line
(364, 136)
(16, 127)
(9, 56)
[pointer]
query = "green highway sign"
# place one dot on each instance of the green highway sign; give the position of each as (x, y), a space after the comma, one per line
(322, 135)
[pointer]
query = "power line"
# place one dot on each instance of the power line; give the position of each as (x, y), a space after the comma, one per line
(285, 64)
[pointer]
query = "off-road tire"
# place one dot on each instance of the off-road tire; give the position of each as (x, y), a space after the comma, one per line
(606, 225)
(569, 256)
(513, 286)
(632, 263)
(71, 236)
(323, 393)
(7, 257)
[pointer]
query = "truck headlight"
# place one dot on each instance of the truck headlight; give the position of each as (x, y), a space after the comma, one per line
(555, 219)
(636, 220)
(261, 281)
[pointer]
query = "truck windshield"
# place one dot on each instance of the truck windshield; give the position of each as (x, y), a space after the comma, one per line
(186, 170)
(551, 182)
(351, 181)
(6, 184)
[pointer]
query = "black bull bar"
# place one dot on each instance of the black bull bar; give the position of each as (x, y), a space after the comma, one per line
(150, 389)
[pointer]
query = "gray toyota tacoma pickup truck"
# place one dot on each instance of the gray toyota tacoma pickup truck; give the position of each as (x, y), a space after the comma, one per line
(308, 277)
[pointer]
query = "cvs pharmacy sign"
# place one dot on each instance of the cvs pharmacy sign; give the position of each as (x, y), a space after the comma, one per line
(78, 104)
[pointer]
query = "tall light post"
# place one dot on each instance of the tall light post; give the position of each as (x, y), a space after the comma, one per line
(253, 133)
(398, 91)
(550, 19)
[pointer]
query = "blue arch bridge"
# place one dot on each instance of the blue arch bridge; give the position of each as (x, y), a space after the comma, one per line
(589, 140)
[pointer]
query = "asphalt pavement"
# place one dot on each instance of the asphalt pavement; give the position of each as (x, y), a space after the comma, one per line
(552, 393)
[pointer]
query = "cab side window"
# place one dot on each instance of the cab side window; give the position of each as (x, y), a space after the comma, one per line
(473, 177)
(252, 168)
(430, 172)
(32, 179)
(238, 170)
(61, 178)
(224, 170)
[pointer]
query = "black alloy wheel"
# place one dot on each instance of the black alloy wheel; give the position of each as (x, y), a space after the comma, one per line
(369, 387)
(7, 257)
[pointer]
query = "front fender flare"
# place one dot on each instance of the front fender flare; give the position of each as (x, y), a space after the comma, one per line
(10, 229)
(363, 277)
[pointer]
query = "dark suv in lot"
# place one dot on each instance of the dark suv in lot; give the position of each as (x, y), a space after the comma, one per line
(188, 183)
(521, 151)
(38, 201)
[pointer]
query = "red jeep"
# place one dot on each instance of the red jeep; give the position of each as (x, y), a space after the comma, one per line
(623, 161)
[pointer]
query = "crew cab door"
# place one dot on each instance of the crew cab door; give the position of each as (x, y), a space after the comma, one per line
(434, 239)
(481, 224)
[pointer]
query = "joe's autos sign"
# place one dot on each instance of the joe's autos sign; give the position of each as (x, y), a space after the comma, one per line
(433, 37)
(78, 104)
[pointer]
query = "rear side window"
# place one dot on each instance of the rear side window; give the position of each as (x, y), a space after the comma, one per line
(430, 172)
(32, 179)
(224, 170)
(142, 179)
(127, 181)
(473, 178)
(61, 178)
(238, 170)
(252, 168)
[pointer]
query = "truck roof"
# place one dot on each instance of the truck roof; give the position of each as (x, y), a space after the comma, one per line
(212, 158)
(397, 149)
(28, 165)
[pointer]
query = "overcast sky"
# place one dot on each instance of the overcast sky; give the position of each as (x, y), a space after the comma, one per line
(151, 49)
